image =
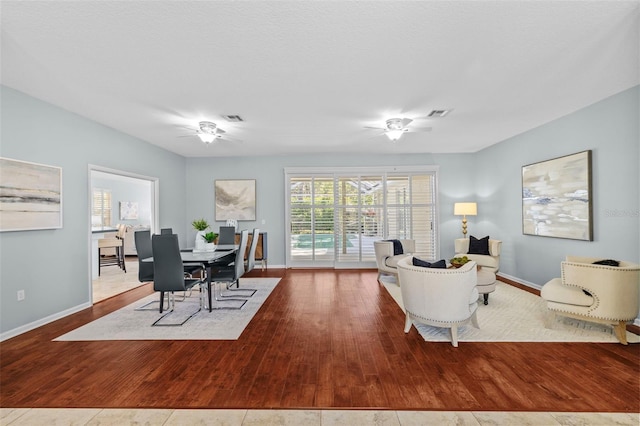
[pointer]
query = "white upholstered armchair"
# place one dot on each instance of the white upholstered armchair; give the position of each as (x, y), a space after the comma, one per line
(385, 259)
(490, 261)
(439, 297)
(597, 293)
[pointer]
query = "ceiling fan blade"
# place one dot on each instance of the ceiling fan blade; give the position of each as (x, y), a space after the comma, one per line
(406, 121)
(374, 128)
(419, 129)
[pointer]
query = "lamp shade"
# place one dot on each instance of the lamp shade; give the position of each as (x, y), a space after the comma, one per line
(461, 209)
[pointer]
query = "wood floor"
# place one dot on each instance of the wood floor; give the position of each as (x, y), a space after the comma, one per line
(323, 339)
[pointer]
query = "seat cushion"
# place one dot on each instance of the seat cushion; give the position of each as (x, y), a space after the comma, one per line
(555, 291)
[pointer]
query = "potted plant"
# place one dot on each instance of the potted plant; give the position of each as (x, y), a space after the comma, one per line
(200, 225)
(210, 238)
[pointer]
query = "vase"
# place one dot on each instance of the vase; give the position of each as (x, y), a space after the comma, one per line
(200, 241)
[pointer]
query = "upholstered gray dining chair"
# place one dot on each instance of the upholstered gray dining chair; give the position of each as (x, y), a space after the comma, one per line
(251, 257)
(168, 273)
(230, 275)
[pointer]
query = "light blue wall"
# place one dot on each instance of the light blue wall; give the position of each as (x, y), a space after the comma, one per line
(610, 129)
(454, 182)
(52, 265)
(135, 190)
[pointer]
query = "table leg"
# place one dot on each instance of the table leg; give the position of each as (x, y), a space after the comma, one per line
(209, 286)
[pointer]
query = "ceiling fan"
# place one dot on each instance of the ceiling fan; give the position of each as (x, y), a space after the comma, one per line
(209, 132)
(396, 127)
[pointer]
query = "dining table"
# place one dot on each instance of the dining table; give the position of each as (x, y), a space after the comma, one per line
(206, 258)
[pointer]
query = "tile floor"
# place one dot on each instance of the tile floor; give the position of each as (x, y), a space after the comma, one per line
(168, 417)
(113, 280)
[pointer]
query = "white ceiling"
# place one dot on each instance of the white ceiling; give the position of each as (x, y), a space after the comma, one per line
(307, 76)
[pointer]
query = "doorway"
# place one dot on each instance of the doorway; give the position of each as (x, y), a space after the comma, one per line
(118, 197)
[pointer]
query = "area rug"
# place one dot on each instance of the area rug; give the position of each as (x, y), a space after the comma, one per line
(130, 324)
(515, 315)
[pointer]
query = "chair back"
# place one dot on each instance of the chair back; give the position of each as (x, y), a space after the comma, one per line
(251, 258)
(167, 264)
(122, 230)
(142, 241)
(438, 295)
(166, 231)
(242, 248)
(227, 235)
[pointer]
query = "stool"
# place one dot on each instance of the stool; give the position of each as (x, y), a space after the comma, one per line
(486, 283)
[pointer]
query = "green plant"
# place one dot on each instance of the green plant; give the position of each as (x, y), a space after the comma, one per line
(200, 224)
(210, 237)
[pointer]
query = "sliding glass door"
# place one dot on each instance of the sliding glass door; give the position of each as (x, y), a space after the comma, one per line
(334, 218)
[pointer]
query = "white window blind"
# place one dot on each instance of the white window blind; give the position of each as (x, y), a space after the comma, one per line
(101, 211)
(335, 218)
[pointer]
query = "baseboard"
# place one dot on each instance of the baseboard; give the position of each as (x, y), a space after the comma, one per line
(510, 279)
(42, 321)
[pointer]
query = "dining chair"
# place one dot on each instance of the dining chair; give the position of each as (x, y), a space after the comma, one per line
(227, 235)
(164, 231)
(143, 248)
(169, 275)
(251, 258)
(230, 275)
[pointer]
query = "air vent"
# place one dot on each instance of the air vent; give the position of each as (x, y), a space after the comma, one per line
(438, 113)
(233, 118)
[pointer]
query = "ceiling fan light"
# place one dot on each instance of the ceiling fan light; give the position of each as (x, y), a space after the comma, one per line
(394, 135)
(206, 137)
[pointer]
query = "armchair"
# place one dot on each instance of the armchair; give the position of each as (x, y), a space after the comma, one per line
(489, 264)
(386, 261)
(596, 293)
(439, 297)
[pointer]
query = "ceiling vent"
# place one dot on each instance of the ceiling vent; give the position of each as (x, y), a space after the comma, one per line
(233, 118)
(439, 113)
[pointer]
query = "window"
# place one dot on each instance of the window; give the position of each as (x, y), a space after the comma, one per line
(101, 207)
(335, 217)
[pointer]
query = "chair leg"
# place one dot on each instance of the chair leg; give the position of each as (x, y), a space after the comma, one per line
(621, 332)
(407, 324)
(486, 298)
(454, 336)
(161, 301)
(474, 320)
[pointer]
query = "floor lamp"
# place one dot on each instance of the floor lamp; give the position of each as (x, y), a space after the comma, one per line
(464, 209)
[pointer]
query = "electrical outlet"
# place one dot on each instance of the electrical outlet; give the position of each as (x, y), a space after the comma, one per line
(21, 295)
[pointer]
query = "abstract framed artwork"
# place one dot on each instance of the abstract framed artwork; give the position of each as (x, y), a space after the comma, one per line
(128, 210)
(30, 196)
(235, 199)
(557, 198)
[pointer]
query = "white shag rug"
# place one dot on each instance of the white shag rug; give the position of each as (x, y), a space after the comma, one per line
(129, 324)
(514, 315)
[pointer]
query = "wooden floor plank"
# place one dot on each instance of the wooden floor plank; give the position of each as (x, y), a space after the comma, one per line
(323, 339)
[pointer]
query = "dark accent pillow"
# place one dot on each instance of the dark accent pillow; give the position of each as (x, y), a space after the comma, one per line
(397, 247)
(479, 246)
(419, 262)
(607, 262)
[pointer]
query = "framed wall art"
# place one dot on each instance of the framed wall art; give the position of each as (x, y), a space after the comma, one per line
(557, 199)
(30, 196)
(128, 210)
(235, 199)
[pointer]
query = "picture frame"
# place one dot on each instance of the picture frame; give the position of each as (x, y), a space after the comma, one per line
(557, 198)
(235, 199)
(30, 196)
(128, 210)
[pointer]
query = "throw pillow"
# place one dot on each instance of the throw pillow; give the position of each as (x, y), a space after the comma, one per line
(607, 262)
(479, 246)
(397, 247)
(423, 263)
